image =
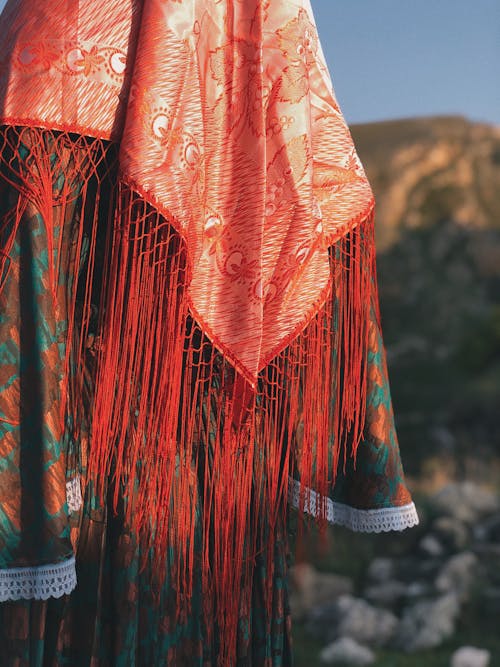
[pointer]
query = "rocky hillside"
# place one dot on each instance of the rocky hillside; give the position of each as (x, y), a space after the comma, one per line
(437, 183)
(426, 170)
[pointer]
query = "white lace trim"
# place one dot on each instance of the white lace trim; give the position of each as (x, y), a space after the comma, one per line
(38, 583)
(74, 494)
(366, 521)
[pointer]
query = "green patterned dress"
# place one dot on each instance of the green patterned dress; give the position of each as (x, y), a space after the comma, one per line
(72, 591)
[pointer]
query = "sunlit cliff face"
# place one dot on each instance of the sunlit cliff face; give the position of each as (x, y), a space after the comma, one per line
(427, 170)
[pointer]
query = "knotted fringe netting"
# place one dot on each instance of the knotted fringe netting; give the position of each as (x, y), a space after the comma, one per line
(170, 416)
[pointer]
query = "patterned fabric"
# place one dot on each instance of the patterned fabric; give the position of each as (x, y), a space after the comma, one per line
(375, 479)
(222, 302)
(114, 616)
(370, 492)
(227, 121)
(189, 329)
(33, 444)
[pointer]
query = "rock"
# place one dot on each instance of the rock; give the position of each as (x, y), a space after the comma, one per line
(452, 533)
(311, 588)
(347, 651)
(468, 656)
(458, 574)
(365, 623)
(388, 594)
(431, 546)
(352, 617)
(465, 501)
(380, 570)
(427, 623)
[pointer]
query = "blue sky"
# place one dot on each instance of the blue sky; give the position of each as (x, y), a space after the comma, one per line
(399, 58)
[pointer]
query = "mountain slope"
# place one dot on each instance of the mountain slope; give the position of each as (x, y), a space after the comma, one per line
(426, 170)
(437, 184)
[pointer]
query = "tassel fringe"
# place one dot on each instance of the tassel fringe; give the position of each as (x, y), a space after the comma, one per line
(173, 426)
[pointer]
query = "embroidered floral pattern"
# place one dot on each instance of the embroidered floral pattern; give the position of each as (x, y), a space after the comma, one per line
(238, 69)
(73, 59)
(89, 61)
(43, 54)
(238, 98)
(298, 41)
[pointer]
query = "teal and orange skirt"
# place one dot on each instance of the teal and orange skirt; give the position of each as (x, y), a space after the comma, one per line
(75, 581)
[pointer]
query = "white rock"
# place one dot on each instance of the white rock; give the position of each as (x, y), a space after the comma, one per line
(458, 574)
(468, 656)
(347, 651)
(386, 595)
(364, 623)
(431, 546)
(465, 501)
(428, 623)
(352, 617)
(311, 588)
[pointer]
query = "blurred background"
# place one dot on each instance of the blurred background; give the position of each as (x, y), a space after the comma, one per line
(419, 84)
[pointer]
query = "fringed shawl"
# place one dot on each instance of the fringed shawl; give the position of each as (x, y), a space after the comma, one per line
(234, 308)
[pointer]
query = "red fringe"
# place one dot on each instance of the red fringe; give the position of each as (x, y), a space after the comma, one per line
(167, 408)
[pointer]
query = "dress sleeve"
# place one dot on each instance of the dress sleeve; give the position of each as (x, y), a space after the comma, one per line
(370, 493)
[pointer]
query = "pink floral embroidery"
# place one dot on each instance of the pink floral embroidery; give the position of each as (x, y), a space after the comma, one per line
(42, 54)
(298, 41)
(90, 61)
(243, 92)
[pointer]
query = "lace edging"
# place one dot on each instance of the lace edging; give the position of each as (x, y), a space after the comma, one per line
(38, 583)
(379, 520)
(74, 494)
